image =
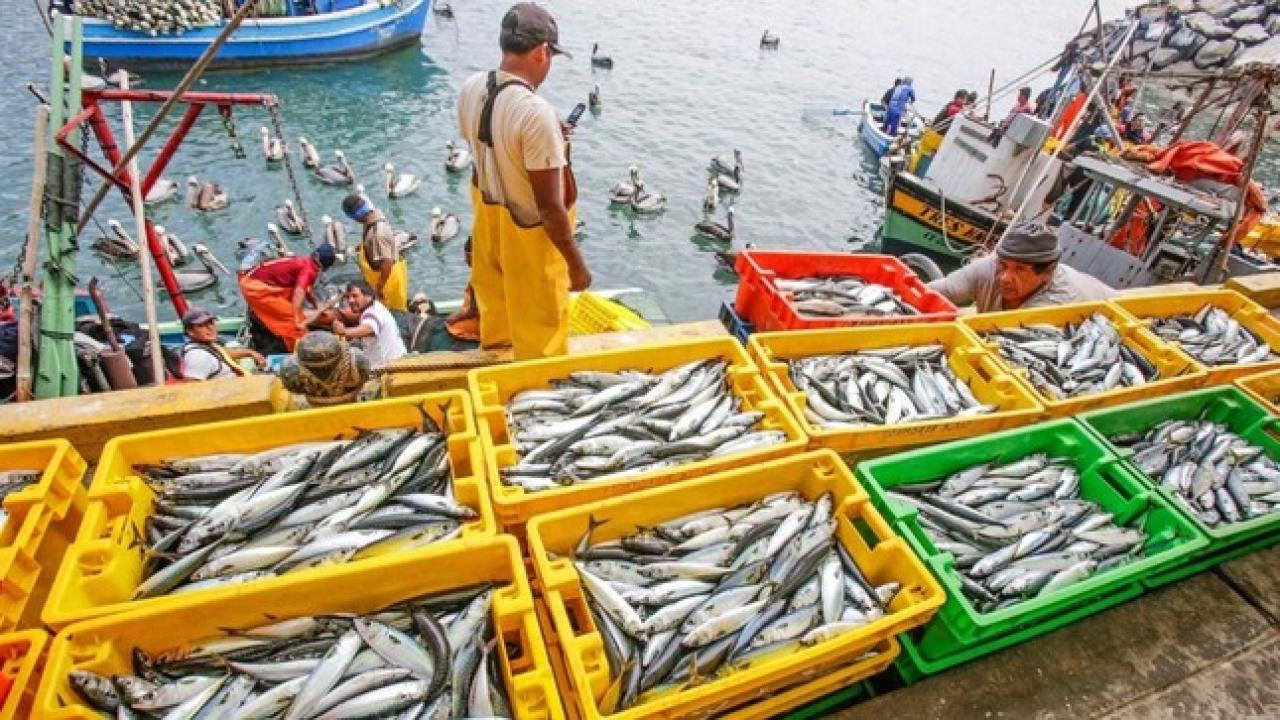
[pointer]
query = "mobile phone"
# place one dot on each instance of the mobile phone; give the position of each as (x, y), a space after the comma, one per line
(576, 114)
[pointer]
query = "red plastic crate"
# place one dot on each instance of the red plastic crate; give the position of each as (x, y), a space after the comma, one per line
(760, 303)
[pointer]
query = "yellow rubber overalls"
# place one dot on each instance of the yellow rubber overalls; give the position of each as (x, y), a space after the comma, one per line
(520, 279)
(395, 294)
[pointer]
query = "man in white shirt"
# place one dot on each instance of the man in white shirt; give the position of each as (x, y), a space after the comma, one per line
(373, 326)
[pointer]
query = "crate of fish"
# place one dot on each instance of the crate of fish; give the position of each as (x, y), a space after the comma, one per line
(1085, 356)
(779, 290)
(422, 634)
(200, 509)
(715, 594)
(22, 656)
(870, 390)
(44, 501)
(1026, 526)
(571, 430)
(1229, 335)
(1215, 454)
(1263, 388)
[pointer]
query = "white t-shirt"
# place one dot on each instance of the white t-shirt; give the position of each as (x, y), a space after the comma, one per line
(526, 136)
(385, 344)
(202, 363)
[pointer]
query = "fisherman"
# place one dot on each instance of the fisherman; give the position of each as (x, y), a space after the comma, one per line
(971, 104)
(459, 331)
(523, 193)
(1022, 107)
(953, 108)
(1135, 131)
(1024, 272)
(903, 96)
(888, 94)
(379, 256)
(276, 290)
(369, 322)
(203, 357)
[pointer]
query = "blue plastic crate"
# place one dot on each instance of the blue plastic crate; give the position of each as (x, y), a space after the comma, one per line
(736, 326)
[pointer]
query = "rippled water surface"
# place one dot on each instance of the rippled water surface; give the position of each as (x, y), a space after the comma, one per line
(689, 83)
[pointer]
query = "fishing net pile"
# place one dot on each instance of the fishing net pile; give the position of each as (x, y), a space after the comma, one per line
(153, 17)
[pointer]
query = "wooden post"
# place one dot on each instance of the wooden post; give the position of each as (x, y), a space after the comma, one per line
(140, 228)
(1261, 119)
(30, 254)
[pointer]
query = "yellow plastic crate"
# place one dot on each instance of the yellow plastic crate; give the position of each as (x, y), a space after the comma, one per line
(103, 645)
(492, 387)
(22, 656)
(103, 568)
(1177, 371)
(1263, 387)
(591, 314)
(969, 360)
(42, 523)
(1248, 313)
(880, 554)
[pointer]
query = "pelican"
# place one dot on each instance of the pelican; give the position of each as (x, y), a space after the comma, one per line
(339, 173)
(288, 219)
(282, 248)
(444, 226)
(405, 240)
(729, 258)
(712, 197)
(335, 233)
(193, 280)
(310, 156)
(647, 203)
(623, 191)
(457, 160)
(205, 196)
(400, 185)
(162, 189)
(117, 244)
(598, 60)
(716, 231)
(730, 182)
(363, 195)
(272, 147)
(443, 9)
(593, 98)
(768, 40)
(722, 166)
(173, 247)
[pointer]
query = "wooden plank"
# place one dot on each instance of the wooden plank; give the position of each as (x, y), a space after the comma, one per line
(1263, 289)
(88, 421)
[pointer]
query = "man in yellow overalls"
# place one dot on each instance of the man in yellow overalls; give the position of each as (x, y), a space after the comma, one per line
(378, 256)
(522, 189)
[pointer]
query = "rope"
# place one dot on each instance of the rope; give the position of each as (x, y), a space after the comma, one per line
(962, 250)
(321, 391)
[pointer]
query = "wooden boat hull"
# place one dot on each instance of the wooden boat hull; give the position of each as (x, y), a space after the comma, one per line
(914, 220)
(360, 32)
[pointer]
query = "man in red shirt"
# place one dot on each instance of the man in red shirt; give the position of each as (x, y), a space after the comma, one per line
(953, 108)
(1022, 107)
(275, 291)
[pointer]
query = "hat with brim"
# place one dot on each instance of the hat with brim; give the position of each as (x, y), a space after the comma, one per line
(196, 317)
(529, 25)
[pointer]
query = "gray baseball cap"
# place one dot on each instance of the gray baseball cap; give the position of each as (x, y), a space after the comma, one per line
(528, 25)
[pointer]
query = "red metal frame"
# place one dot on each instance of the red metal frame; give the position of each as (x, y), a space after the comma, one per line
(94, 116)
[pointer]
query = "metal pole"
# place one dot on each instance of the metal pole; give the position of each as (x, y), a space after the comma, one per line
(27, 312)
(1246, 175)
(187, 81)
(991, 88)
(140, 227)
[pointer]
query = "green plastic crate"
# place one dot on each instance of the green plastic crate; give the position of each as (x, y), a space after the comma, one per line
(852, 695)
(959, 628)
(1227, 405)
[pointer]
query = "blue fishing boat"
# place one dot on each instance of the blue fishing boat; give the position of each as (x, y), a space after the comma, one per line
(340, 31)
(877, 139)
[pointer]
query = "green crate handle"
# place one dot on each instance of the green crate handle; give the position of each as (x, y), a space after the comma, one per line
(1110, 470)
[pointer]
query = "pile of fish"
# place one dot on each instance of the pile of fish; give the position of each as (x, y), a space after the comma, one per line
(1019, 530)
(153, 17)
(885, 386)
(432, 657)
(698, 597)
(1213, 337)
(1075, 360)
(1216, 474)
(227, 519)
(12, 481)
(595, 425)
(843, 295)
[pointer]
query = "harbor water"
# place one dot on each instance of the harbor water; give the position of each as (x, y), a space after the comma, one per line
(689, 82)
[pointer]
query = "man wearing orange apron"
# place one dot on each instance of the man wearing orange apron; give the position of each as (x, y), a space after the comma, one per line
(522, 191)
(276, 289)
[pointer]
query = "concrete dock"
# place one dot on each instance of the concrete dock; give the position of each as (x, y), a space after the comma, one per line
(1205, 647)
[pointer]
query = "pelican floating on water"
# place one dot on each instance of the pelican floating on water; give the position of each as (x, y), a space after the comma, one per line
(177, 250)
(205, 196)
(593, 98)
(444, 226)
(289, 220)
(401, 184)
(730, 182)
(712, 197)
(272, 147)
(622, 192)
(277, 241)
(716, 231)
(162, 189)
(193, 280)
(117, 243)
(339, 173)
(598, 60)
(458, 158)
(310, 156)
(722, 166)
(769, 40)
(335, 233)
(647, 203)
